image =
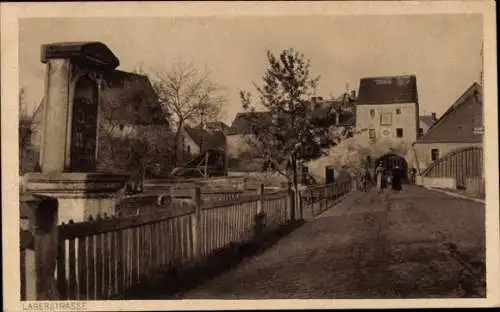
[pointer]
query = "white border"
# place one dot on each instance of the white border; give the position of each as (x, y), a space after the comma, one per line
(10, 13)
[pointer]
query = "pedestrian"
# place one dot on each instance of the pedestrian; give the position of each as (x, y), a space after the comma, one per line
(365, 179)
(413, 175)
(380, 176)
(396, 179)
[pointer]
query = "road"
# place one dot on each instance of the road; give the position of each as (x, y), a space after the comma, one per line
(394, 245)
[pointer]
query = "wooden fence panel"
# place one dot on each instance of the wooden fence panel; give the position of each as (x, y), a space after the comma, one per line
(99, 259)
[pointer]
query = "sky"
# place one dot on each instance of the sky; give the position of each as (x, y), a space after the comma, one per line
(443, 51)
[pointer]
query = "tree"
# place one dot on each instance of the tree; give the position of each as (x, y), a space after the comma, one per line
(294, 134)
(125, 146)
(189, 95)
(26, 129)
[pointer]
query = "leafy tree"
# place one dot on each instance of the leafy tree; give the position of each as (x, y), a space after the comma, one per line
(293, 135)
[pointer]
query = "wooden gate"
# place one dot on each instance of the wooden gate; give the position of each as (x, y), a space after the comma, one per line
(459, 164)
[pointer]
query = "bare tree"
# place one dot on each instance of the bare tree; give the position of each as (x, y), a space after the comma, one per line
(26, 129)
(189, 95)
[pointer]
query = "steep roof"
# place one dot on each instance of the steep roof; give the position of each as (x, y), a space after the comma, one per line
(388, 90)
(458, 122)
(243, 123)
(216, 126)
(130, 97)
(427, 119)
(126, 97)
(330, 108)
(209, 139)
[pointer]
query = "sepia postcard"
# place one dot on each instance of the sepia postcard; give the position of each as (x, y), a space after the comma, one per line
(249, 155)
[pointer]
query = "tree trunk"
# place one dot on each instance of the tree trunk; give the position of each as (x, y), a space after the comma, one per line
(176, 142)
(295, 184)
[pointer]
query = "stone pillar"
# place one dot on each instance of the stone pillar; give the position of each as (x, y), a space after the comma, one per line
(55, 115)
(83, 193)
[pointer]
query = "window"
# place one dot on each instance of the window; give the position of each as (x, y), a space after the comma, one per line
(398, 111)
(434, 154)
(399, 132)
(121, 126)
(372, 113)
(420, 132)
(371, 133)
(386, 119)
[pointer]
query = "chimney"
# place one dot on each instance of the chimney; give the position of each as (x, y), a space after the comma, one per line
(353, 94)
(434, 116)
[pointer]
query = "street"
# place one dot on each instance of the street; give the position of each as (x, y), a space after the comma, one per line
(394, 245)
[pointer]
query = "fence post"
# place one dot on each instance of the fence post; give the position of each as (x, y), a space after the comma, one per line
(45, 243)
(291, 201)
(260, 203)
(259, 222)
(196, 222)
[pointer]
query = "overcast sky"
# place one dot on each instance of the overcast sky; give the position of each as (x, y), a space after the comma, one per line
(443, 51)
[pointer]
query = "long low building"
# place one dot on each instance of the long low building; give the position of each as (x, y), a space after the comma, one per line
(452, 147)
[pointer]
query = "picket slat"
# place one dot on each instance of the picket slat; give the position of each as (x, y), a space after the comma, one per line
(82, 269)
(91, 280)
(61, 270)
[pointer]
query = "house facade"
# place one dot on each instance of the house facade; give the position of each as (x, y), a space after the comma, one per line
(461, 126)
(387, 108)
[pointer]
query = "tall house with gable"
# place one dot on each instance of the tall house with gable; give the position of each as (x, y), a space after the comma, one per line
(387, 108)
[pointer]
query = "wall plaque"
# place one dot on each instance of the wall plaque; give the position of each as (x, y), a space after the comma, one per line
(84, 126)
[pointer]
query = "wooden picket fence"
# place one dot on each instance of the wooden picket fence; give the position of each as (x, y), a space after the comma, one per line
(103, 258)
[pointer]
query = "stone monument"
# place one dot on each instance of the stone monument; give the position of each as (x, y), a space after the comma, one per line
(70, 132)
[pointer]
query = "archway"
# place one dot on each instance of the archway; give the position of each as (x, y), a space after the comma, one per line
(390, 160)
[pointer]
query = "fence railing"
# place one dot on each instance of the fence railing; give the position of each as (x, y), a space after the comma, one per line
(317, 199)
(105, 257)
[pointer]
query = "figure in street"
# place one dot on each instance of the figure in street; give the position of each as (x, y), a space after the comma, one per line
(413, 174)
(381, 179)
(397, 177)
(365, 179)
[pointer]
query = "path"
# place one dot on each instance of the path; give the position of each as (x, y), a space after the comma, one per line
(369, 246)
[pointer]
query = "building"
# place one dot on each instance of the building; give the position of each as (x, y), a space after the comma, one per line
(426, 121)
(215, 126)
(461, 126)
(387, 107)
(240, 135)
(203, 152)
(195, 141)
(129, 115)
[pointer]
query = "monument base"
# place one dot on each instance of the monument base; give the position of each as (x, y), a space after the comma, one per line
(79, 195)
